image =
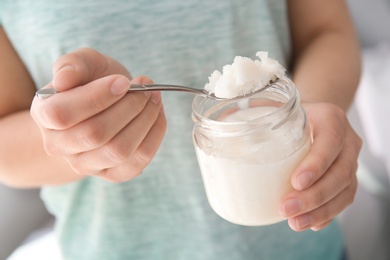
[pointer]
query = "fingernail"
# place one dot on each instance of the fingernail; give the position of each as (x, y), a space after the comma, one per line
(65, 68)
(316, 228)
(303, 221)
(292, 206)
(304, 180)
(120, 86)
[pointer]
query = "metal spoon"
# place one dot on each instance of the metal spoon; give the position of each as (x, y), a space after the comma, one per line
(48, 92)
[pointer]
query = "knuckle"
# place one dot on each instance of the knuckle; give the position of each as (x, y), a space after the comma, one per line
(87, 50)
(55, 118)
(345, 173)
(351, 192)
(336, 137)
(337, 111)
(326, 213)
(320, 166)
(349, 169)
(72, 58)
(97, 101)
(162, 124)
(79, 165)
(358, 142)
(339, 114)
(64, 59)
(143, 156)
(91, 136)
(117, 153)
(51, 149)
(53, 142)
(351, 198)
(136, 103)
(120, 174)
(318, 196)
(116, 178)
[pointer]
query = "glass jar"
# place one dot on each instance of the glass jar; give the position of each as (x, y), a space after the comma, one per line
(247, 150)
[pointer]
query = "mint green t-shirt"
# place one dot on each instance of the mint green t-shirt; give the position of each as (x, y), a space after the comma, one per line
(164, 213)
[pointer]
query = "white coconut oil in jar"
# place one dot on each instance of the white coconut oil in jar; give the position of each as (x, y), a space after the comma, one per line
(247, 150)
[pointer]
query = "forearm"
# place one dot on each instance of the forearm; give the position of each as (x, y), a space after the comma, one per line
(326, 54)
(328, 70)
(23, 161)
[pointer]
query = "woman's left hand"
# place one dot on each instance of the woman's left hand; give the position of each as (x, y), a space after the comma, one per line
(325, 182)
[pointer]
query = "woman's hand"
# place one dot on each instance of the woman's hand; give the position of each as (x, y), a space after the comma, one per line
(325, 182)
(93, 123)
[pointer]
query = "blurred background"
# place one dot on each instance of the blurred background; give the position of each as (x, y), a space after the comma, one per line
(23, 217)
(366, 222)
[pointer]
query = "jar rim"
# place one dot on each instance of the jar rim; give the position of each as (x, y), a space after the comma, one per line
(284, 87)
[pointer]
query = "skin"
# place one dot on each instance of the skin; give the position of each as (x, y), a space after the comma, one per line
(326, 70)
(76, 134)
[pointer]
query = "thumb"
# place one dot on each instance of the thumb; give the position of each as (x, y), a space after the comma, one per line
(83, 66)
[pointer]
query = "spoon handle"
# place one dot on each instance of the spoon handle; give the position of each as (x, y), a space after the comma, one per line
(48, 92)
(164, 87)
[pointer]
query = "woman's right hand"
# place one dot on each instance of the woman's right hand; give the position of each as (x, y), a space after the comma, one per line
(93, 124)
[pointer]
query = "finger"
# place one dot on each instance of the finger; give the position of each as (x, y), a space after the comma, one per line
(71, 107)
(122, 146)
(323, 215)
(82, 66)
(328, 138)
(322, 226)
(294, 224)
(96, 131)
(142, 156)
(339, 176)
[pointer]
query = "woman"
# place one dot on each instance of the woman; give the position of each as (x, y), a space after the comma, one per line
(95, 132)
